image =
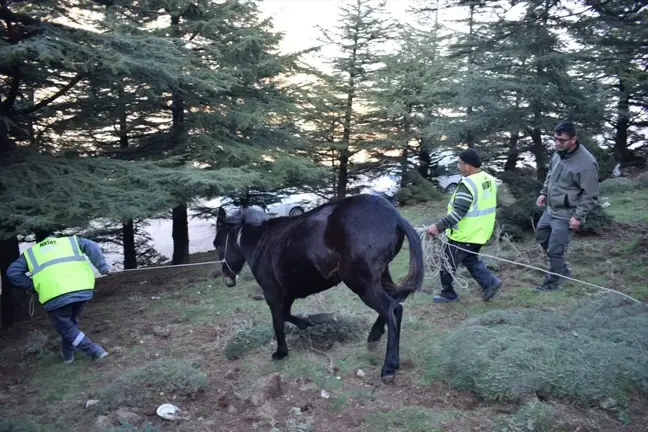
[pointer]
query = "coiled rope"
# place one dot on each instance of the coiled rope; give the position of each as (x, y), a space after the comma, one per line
(436, 259)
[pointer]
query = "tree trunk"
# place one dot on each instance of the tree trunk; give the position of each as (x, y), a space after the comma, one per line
(405, 151)
(343, 176)
(14, 302)
(5, 143)
(622, 124)
(470, 138)
(180, 235)
(513, 152)
(540, 153)
(128, 227)
(539, 150)
(128, 239)
(424, 160)
(180, 230)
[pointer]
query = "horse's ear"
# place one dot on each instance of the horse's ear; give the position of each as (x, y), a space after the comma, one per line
(221, 217)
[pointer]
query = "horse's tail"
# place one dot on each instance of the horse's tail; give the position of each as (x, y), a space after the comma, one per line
(414, 279)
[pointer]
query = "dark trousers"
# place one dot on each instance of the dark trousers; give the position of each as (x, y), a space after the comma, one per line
(469, 259)
(66, 322)
(554, 235)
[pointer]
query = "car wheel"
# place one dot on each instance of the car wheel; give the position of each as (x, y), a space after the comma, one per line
(451, 188)
(295, 211)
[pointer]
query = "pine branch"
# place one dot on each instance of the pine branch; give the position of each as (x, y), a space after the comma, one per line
(43, 103)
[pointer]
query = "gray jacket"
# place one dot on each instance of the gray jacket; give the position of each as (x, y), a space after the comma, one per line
(572, 184)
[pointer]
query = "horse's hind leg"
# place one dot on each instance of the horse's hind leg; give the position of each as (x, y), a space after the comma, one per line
(388, 310)
(378, 329)
(376, 332)
(300, 322)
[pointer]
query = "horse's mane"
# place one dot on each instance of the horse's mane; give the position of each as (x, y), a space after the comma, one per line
(248, 216)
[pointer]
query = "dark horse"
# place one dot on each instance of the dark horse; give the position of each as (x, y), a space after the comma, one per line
(351, 240)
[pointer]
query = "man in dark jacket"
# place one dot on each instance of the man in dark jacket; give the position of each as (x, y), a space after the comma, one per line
(64, 281)
(570, 193)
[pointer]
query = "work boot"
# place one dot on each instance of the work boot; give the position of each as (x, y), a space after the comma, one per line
(490, 292)
(567, 271)
(67, 352)
(547, 286)
(99, 352)
(445, 297)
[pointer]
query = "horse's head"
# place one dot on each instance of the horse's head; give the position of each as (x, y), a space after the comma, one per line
(227, 242)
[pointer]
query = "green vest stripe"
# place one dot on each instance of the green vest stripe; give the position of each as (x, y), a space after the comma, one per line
(40, 266)
(58, 267)
(478, 223)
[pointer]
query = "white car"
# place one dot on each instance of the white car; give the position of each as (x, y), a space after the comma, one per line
(448, 183)
(293, 205)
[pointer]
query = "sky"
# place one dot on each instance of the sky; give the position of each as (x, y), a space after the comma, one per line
(298, 19)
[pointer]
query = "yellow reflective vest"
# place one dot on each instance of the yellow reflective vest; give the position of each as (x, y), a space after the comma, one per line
(478, 224)
(57, 267)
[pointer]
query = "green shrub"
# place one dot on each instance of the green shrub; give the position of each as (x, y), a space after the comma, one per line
(519, 218)
(596, 222)
(142, 384)
(533, 416)
(345, 328)
(247, 340)
(516, 219)
(616, 184)
(520, 186)
(419, 191)
(590, 353)
(642, 180)
(604, 158)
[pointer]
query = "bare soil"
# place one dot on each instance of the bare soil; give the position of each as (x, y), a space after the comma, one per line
(146, 315)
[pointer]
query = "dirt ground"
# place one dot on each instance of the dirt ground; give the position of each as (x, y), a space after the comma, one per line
(184, 313)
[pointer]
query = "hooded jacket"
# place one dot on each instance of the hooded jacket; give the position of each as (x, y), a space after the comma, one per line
(571, 186)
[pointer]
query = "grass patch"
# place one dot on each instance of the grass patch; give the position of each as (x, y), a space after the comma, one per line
(37, 344)
(629, 205)
(56, 381)
(137, 386)
(148, 427)
(590, 353)
(23, 424)
(247, 340)
(409, 419)
(533, 416)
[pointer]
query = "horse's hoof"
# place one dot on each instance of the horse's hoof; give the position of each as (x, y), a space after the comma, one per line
(279, 355)
(371, 346)
(387, 379)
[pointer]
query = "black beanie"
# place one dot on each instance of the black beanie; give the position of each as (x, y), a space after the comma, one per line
(470, 156)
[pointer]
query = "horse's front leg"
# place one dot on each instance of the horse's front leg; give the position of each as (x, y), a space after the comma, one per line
(277, 308)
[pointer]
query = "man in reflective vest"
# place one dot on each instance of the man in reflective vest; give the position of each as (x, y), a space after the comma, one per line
(469, 224)
(64, 281)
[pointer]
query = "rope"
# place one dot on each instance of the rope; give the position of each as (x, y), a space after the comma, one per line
(433, 250)
(31, 305)
(170, 266)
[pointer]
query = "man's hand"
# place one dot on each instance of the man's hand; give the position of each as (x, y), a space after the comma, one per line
(574, 223)
(111, 270)
(433, 230)
(541, 201)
